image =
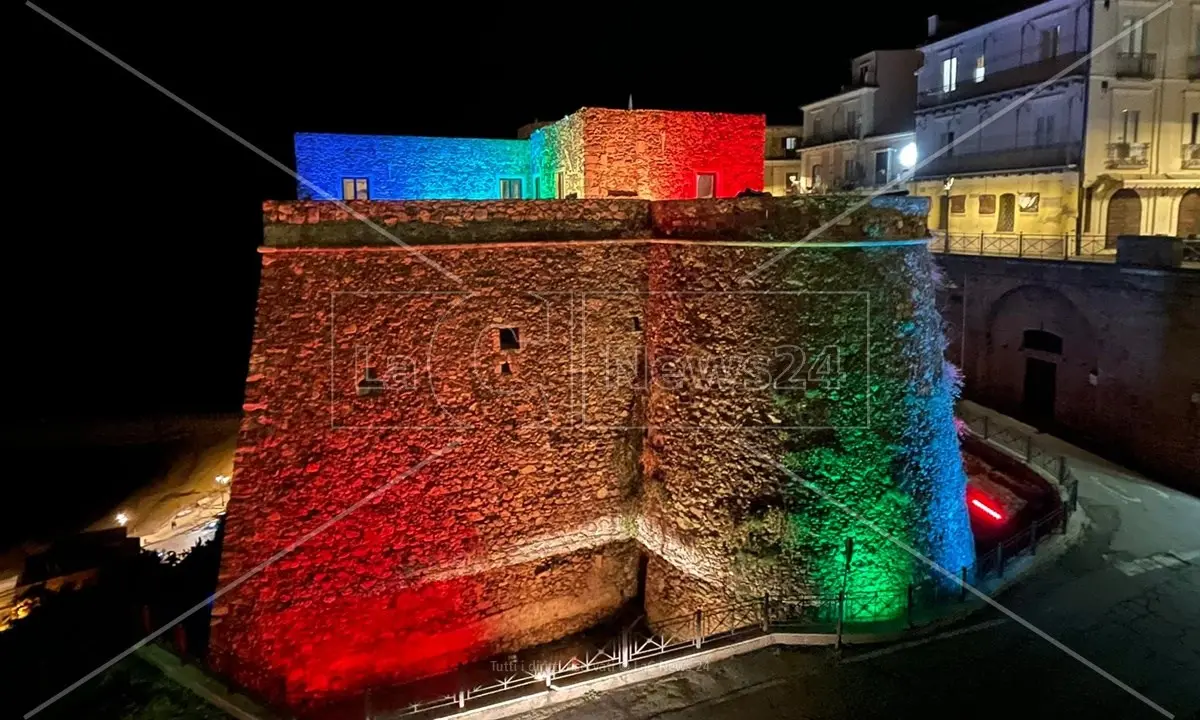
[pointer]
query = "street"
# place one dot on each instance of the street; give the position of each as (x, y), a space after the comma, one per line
(1126, 598)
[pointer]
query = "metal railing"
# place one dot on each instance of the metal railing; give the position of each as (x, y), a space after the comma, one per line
(1021, 75)
(1031, 245)
(961, 160)
(1141, 65)
(1190, 156)
(1128, 154)
(671, 638)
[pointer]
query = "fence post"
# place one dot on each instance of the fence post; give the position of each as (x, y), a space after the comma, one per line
(962, 585)
(980, 242)
(1033, 538)
(841, 618)
(626, 649)
(699, 623)
(1000, 560)
(367, 704)
(461, 694)
(1020, 244)
(766, 612)
(1066, 252)
(946, 241)
(985, 427)
(1028, 449)
(1062, 469)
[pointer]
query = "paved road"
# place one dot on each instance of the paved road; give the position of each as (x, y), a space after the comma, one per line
(1126, 598)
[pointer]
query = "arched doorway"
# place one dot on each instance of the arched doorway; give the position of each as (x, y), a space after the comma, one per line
(1189, 215)
(1124, 216)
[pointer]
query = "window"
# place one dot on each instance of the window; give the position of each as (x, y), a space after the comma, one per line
(1195, 127)
(560, 187)
(816, 127)
(370, 383)
(1007, 217)
(706, 185)
(864, 72)
(1130, 119)
(958, 204)
(850, 171)
(537, 187)
(1050, 38)
(1133, 42)
(509, 338)
(1043, 133)
(949, 74)
(354, 189)
(853, 123)
(883, 166)
(948, 142)
(789, 143)
(1029, 202)
(637, 323)
(987, 204)
(510, 189)
(816, 175)
(979, 68)
(1041, 340)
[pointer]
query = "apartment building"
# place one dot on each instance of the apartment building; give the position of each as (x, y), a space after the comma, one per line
(783, 170)
(1142, 163)
(1000, 124)
(856, 140)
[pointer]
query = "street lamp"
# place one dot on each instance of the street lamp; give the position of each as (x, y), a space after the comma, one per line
(122, 519)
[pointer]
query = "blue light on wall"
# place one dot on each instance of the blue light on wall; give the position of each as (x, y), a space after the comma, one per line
(411, 168)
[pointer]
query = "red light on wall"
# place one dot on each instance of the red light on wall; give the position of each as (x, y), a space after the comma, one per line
(987, 509)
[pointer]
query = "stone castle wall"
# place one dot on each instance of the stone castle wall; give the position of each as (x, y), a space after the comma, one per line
(1127, 379)
(632, 420)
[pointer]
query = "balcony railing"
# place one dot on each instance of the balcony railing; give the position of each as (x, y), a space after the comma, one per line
(1128, 155)
(1020, 76)
(832, 136)
(1025, 158)
(1141, 65)
(1191, 156)
(1193, 67)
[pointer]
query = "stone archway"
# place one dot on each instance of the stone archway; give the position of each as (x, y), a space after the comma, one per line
(1189, 214)
(1124, 216)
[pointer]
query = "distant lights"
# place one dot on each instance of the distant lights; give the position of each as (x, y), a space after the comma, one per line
(908, 155)
(122, 519)
(222, 479)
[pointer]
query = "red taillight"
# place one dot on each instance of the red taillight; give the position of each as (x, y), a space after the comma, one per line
(987, 509)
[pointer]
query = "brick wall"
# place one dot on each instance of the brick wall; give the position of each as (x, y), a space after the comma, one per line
(1136, 330)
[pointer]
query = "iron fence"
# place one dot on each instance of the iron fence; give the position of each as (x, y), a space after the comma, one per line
(1068, 246)
(930, 593)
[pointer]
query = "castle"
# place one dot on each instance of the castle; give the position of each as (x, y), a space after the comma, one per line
(533, 413)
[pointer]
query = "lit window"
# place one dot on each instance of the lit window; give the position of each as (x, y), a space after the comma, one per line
(1050, 38)
(1129, 125)
(789, 143)
(510, 189)
(706, 185)
(950, 74)
(354, 189)
(792, 183)
(980, 64)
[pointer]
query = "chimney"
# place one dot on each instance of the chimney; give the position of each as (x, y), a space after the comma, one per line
(933, 25)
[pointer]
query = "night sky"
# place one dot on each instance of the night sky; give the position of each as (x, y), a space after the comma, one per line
(132, 263)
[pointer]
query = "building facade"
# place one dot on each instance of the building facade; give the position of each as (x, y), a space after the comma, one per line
(592, 153)
(783, 173)
(1000, 124)
(1142, 165)
(854, 140)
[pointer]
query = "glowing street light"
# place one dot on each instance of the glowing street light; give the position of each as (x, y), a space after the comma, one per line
(122, 519)
(222, 479)
(908, 155)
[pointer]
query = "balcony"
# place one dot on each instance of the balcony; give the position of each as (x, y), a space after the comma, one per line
(1193, 68)
(830, 136)
(1022, 158)
(1136, 65)
(1127, 155)
(1190, 156)
(1017, 77)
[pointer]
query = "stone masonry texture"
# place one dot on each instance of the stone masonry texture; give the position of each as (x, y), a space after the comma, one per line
(580, 402)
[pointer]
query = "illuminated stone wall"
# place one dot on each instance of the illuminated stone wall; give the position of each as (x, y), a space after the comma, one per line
(401, 167)
(599, 153)
(531, 525)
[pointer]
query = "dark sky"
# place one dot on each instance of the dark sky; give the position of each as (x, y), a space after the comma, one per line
(132, 264)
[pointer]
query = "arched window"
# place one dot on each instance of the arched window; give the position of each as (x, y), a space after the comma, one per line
(1007, 217)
